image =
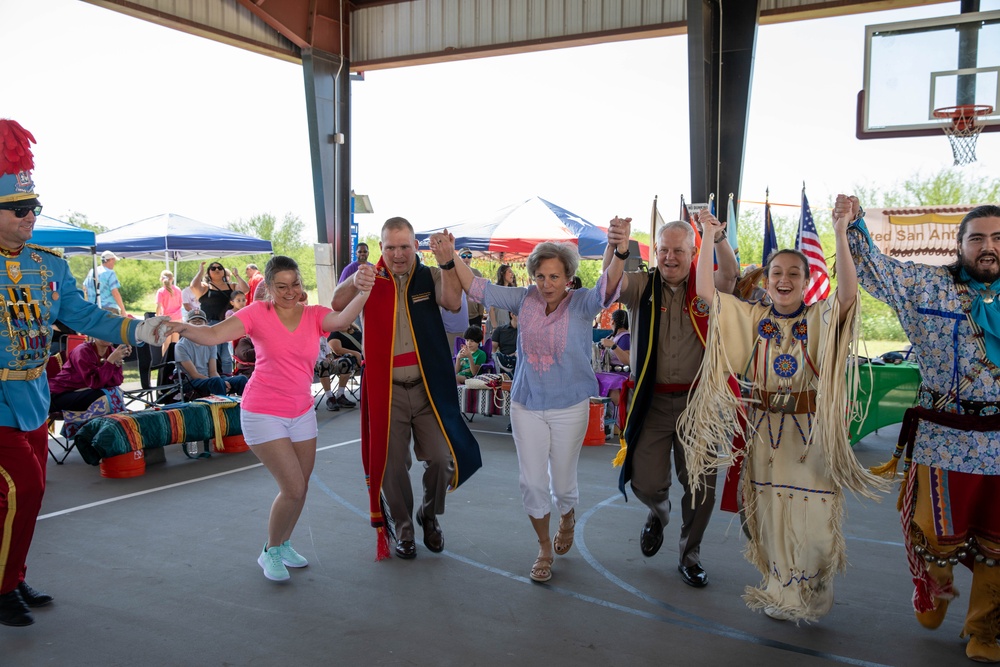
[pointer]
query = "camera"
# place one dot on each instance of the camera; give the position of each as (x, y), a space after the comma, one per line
(344, 365)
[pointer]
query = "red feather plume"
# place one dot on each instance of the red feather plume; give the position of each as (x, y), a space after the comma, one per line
(15, 147)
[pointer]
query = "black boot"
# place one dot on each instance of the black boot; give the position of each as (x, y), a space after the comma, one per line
(13, 611)
(31, 597)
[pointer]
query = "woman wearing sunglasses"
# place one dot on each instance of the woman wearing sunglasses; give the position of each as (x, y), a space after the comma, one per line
(214, 290)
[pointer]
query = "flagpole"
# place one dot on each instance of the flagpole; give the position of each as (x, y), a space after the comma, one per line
(652, 225)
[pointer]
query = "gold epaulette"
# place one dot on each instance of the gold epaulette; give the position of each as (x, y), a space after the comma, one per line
(51, 251)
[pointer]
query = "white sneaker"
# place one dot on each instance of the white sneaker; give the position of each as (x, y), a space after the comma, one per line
(271, 562)
(290, 557)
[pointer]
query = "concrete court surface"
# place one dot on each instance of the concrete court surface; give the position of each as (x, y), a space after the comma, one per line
(161, 570)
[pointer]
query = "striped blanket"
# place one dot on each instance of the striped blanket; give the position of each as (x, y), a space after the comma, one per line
(129, 431)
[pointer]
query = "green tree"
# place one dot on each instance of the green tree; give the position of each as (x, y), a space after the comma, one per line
(285, 238)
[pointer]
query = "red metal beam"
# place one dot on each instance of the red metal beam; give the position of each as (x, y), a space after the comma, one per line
(318, 24)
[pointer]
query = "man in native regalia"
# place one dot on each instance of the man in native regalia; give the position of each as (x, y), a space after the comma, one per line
(408, 390)
(951, 441)
(36, 289)
(668, 342)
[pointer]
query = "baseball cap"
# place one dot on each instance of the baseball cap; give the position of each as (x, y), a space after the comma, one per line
(107, 254)
(195, 314)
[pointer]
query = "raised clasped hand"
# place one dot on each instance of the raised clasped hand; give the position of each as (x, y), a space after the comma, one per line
(442, 244)
(710, 224)
(619, 231)
(845, 210)
(364, 277)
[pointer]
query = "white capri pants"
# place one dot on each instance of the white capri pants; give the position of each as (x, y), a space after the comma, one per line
(548, 446)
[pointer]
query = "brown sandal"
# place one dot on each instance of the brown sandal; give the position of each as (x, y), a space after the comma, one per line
(541, 571)
(563, 540)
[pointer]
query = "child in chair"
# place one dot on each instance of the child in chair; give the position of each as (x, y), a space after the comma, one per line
(470, 357)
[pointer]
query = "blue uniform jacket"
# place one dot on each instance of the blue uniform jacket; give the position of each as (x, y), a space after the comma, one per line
(36, 289)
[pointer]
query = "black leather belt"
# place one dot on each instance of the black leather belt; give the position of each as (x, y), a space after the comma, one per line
(408, 384)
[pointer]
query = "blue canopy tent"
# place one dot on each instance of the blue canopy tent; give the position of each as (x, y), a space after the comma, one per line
(173, 237)
(53, 233)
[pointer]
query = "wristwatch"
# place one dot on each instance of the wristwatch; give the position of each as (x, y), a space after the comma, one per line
(622, 255)
(447, 266)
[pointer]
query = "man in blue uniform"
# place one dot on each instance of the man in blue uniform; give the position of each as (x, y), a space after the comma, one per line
(36, 289)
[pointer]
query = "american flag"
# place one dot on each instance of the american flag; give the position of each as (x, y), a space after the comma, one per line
(807, 241)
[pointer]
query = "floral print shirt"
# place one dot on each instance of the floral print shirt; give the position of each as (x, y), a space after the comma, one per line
(554, 351)
(931, 309)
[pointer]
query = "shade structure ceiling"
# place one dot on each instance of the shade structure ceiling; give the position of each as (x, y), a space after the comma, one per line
(391, 33)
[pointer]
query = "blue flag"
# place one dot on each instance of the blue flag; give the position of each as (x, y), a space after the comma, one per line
(770, 240)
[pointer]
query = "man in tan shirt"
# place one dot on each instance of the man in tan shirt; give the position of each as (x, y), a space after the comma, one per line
(663, 295)
(403, 335)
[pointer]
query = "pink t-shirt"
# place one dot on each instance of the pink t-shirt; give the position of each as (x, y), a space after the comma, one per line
(169, 302)
(281, 380)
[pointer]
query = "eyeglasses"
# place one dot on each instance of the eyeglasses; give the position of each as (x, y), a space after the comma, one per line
(463, 255)
(23, 211)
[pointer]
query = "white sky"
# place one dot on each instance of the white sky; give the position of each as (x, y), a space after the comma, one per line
(133, 120)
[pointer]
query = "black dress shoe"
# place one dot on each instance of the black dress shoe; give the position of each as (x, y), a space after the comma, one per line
(693, 575)
(433, 538)
(406, 549)
(13, 611)
(31, 597)
(652, 535)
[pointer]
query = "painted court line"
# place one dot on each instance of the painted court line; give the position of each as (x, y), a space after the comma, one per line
(106, 501)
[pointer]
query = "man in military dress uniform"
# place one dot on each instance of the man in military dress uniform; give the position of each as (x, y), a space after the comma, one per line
(36, 289)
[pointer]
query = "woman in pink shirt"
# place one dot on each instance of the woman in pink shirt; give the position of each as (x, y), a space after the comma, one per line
(276, 413)
(168, 302)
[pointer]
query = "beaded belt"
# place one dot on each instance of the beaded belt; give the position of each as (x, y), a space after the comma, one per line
(30, 374)
(933, 399)
(789, 403)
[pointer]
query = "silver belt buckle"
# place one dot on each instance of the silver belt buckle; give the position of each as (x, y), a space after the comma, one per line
(779, 401)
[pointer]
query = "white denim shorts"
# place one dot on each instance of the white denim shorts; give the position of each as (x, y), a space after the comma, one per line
(258, 428)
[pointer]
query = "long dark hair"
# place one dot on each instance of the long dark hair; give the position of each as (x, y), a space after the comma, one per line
(502, 273)
(984, 211)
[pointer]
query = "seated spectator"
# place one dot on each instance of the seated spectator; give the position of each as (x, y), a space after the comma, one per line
(324, 369)
(505, 345)
(244, 357)
(88, 384)
(200, 364)
(615, 349)
(616, 346)
(470, 357)
(346, 342)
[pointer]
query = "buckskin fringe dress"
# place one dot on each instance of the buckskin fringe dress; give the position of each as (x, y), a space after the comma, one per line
(798, 458)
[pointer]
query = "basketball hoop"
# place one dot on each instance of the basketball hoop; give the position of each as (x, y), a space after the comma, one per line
(963, 131)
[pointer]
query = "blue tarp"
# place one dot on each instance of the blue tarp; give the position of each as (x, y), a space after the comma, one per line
(53, 233)
(174, 237)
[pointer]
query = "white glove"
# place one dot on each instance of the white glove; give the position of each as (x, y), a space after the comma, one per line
(152, 331)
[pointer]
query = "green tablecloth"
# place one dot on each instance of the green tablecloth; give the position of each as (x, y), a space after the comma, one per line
(895, 389)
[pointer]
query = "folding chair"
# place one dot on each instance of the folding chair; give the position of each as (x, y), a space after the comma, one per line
(169, 387)
(52, 368)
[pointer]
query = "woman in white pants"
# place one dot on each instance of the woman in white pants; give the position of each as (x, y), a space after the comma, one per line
(553, 379)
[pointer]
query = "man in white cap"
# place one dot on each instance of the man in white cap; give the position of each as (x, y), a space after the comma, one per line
(106, 294)
(36, 289)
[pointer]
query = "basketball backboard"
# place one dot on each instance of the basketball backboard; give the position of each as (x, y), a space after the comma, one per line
(915, 67)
